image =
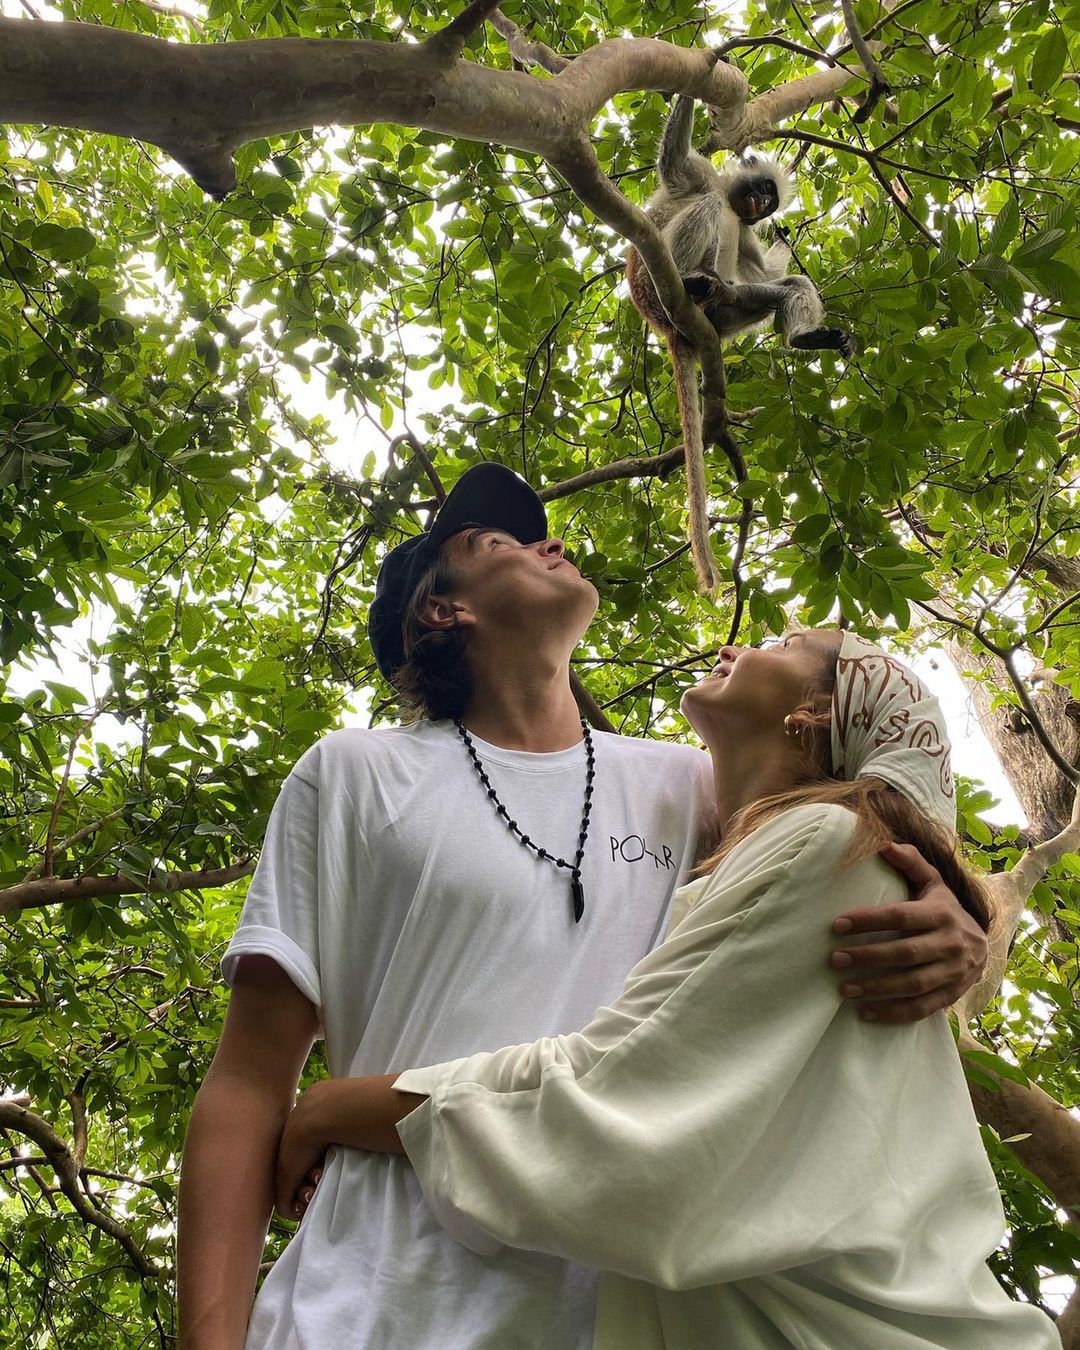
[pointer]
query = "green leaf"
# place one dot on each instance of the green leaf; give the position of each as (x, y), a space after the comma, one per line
(1006, 225)
(63, 244)
(1049, 60)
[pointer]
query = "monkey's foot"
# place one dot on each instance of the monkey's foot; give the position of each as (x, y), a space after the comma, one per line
(825, 339)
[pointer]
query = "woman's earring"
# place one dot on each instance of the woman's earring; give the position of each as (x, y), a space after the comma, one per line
(791, 727)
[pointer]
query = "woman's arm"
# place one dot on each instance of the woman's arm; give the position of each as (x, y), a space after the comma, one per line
(354, 1112)
(727, 1116)
(363, 1112)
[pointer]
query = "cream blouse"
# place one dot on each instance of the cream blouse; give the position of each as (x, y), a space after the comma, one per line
(751, 1165)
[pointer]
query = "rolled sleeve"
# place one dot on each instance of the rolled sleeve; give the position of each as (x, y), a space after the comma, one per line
(280, 915)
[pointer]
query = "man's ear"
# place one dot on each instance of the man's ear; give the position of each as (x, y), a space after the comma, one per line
(441, 614)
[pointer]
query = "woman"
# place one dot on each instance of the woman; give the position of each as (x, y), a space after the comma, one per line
(750, 1168)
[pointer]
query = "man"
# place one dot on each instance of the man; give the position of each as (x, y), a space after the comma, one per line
(485, 875)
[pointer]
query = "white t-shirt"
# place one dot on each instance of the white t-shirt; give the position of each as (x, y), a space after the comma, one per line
(754, 1166)
(399, 902)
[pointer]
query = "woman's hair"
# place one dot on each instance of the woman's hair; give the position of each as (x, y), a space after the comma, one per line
(884, 813)
(435, 680)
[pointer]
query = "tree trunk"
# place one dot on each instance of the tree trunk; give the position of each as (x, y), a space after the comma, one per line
(1042, 790)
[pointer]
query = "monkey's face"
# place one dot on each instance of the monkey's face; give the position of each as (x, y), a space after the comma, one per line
(756, 198)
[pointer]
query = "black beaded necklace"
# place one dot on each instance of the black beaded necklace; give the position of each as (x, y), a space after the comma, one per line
(577, 894)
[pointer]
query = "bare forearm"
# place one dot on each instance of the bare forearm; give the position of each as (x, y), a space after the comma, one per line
(363, 1112)
(226, 1198)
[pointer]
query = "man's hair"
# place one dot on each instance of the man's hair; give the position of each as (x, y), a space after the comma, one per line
(435, 680)
(884, 813)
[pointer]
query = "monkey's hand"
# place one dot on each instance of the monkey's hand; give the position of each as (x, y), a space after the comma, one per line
(707, 288)
(698, 286)
(846, 344)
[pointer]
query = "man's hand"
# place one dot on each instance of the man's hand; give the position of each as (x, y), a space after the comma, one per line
(944, 956)
(300, 1152)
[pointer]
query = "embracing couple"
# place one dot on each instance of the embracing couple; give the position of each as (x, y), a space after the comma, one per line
(602, 1073)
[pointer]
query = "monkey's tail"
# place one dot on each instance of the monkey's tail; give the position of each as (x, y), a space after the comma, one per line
(686, 390)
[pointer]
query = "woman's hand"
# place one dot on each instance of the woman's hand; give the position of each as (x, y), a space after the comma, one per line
(306, 1192)
(300, 1153)
(351, 1112)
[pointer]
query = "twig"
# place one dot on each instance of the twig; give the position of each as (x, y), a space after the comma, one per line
(906, 131)
(879, 85)
(736, 568)
(590, 709)
(47, 856)
(407, 438)
(774, 40)
(652, 467)
(659, 675)
(523, 49)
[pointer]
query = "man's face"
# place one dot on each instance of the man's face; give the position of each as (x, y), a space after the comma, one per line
(504, 584)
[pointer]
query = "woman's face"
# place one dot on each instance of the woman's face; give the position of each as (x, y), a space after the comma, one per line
(754, 688)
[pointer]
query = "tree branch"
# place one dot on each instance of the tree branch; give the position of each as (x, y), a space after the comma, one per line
(200, 101)
(15, 1116)
(1011, 891)
(450, 41)
(1052, 1150)
(879, 85)
(75, 838)
(523, 49)
(61, 792)
(407, 438)
(588, 706)
(54, 891)
(653, 466)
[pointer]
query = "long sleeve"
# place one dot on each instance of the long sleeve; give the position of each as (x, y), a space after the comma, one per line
(728, 1115)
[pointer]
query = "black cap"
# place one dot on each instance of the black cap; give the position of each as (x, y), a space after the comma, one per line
(487, 495)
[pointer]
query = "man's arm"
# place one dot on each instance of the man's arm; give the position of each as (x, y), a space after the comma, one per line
(227, 1173)
(945, 953)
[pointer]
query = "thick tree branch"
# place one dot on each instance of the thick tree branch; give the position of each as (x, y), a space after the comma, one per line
(1068, 1324)
(1052, 1151)
(15, 1116)
(55, 891)
(201, 101)
(450, 42)
(1011, 891)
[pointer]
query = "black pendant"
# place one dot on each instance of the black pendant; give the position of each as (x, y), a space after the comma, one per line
(577, 894)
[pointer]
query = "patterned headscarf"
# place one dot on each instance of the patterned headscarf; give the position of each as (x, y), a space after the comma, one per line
(886, 722)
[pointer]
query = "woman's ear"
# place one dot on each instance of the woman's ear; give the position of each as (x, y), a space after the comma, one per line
(442, 614)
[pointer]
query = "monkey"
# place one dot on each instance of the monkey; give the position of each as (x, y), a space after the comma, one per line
(708, 220)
